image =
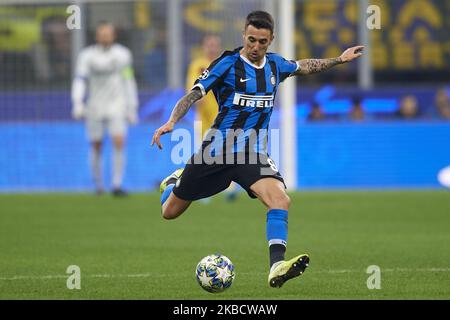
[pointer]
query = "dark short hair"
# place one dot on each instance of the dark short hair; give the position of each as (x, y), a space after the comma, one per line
(260, 20)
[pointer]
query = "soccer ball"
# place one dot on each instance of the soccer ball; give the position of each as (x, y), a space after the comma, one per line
(215, 273)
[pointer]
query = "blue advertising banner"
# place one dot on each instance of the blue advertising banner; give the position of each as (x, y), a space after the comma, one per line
(54, 156)
(372, 155)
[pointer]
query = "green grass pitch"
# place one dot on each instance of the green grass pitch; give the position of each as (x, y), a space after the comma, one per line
(125, 250)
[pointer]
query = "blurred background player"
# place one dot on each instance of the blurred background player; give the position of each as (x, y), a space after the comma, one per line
(207, 109)
(104, 74)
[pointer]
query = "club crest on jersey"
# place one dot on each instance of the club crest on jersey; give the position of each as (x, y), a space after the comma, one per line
(245, 100)
(204, 74)
(272, 79)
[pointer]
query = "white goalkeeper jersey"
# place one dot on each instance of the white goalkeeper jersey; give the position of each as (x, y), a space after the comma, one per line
(107, 75)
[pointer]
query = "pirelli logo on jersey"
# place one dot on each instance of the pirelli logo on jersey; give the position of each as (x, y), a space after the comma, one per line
(245, 100)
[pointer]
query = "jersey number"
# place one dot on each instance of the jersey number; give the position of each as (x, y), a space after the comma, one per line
(272, 165)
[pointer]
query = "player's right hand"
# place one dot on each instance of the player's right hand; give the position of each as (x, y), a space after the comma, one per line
(132, 117)
(166, 128)
(78, 111)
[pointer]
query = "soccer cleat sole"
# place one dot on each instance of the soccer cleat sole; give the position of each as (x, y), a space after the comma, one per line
(296, 269)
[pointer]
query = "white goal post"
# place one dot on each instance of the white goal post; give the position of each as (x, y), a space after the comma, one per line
(287, 95)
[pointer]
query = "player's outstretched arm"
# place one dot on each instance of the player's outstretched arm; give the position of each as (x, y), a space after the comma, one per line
(308, 66)
(181, 108)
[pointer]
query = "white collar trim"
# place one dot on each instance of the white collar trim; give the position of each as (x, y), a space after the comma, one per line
(254, 65)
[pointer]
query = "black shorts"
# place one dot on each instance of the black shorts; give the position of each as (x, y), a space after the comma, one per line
(201, 180)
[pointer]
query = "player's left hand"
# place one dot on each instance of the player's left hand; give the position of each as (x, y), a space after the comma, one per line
(351, 53)
(78, 111)
(166, 128)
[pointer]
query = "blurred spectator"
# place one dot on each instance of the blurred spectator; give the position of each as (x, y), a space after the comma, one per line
(316, 113)
(206, 108)
(57, 39)
(357, 111)
(156, 62)
(16, 69)
(409, 108)
(442, 103)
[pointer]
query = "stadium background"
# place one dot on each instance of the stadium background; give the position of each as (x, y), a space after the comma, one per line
(125, 250)
(43, 149)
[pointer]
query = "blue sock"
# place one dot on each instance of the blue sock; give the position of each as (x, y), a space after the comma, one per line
(166, 193)
(277, 230)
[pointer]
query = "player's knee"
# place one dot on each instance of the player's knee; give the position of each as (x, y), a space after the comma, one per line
(281, 201)
(288, 201)
(171, 211)
(169, 214)
(174, 207)
(97, 146)
(119, 143)
(285, 201)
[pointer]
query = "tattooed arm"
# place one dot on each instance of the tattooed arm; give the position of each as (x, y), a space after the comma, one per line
(308, 66)
(183, 105)
(181, 108)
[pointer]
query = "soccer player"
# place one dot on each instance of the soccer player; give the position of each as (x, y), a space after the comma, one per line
(244, 82)
(104, 73)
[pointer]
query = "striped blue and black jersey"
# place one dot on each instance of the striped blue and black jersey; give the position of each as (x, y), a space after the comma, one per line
(245, 94)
